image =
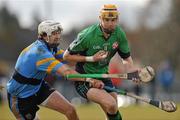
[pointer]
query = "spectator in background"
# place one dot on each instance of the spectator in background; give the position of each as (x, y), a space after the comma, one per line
(115, 68)
(166, 75)
(4, 70)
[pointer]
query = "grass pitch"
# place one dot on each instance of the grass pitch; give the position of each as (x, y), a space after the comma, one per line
(93, 112)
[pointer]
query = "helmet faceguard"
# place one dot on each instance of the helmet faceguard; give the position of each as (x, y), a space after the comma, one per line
(48, 27)
(109, 11)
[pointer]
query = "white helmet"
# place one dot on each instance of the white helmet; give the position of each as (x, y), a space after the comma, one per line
(48, 26)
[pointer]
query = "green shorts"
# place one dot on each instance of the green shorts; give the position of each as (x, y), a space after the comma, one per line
(83, 87)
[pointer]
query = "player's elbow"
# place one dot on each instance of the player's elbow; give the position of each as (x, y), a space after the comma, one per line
(66, 55)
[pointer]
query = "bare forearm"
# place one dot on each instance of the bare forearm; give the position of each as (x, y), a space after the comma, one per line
(128, 64)
(65, 70)
(75, 58)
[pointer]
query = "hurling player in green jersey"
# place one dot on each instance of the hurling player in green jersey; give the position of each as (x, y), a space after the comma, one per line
(92, 50)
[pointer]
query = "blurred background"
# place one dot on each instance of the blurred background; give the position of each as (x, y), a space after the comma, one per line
(152, 28)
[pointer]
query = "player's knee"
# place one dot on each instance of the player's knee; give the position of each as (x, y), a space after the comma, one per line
(112, 107)
(71, 111)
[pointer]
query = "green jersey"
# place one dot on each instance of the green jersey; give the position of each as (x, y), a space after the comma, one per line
(91, 40)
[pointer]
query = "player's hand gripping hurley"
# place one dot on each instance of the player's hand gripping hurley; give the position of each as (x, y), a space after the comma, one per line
(146, 74)
(167, 106)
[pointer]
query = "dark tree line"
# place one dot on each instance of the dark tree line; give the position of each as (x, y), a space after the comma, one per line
(150, 46)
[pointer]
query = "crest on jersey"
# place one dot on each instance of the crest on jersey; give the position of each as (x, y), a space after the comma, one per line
(115, 45)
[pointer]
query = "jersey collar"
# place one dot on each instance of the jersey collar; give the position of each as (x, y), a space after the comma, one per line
(54, 49)
(100, 33)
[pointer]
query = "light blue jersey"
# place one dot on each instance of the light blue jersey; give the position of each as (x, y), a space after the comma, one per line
(35, 61)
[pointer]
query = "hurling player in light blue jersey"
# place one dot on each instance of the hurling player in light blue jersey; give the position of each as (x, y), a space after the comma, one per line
(27, 88)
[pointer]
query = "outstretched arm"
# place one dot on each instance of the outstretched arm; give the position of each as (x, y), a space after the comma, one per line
(128, 64)
(65, 70)
(130, 67)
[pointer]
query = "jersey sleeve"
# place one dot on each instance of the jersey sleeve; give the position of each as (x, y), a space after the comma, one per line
(124, 50)
(79, 44)
(47, 62)
(59, 56)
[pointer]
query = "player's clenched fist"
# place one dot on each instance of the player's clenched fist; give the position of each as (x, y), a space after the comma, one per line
(100, 55)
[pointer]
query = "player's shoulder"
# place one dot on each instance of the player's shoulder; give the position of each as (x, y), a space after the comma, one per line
(120, 32)
(60, 51)
(119, 29)
(89, 31)
(40, 47)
